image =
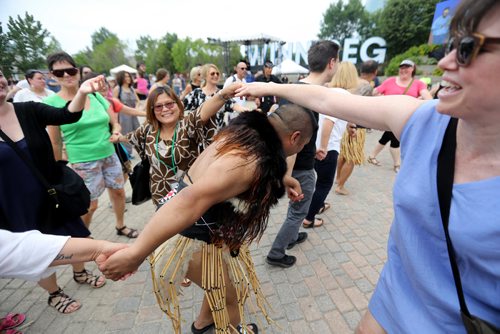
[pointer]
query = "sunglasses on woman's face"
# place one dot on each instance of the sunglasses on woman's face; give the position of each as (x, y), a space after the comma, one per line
(168, 105)
(212, 74)
(469, 46)
(60, 73)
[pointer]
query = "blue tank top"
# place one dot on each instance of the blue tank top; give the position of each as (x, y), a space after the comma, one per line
(416, 291)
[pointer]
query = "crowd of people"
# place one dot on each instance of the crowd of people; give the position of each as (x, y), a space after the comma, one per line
(222, 154)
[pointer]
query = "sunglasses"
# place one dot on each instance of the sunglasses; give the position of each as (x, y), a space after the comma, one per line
(60, 73)
(168, 105)
(468, 46)
(243, 68)
(214, 74)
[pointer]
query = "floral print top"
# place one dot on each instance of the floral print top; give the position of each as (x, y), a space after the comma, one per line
(168, 159)
(194, 99)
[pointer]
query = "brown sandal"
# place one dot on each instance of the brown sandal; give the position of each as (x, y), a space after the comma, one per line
(133, 233)
(63, 302)
(87, 277)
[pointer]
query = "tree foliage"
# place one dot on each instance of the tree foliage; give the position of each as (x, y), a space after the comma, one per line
(25, 45)
(345, 19)
(404, 24)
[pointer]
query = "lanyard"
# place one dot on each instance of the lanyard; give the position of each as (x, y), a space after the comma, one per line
(173, 168)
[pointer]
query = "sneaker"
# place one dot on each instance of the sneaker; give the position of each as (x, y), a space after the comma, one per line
(300, 239)
(285, 262)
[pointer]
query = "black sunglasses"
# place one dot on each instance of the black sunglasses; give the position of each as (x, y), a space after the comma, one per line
(468, 46)
(60, 73)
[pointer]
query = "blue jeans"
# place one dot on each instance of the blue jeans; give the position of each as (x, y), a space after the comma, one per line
(297, 211)
(325, 170)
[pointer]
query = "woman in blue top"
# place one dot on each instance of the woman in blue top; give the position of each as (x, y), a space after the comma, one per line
(416, 290)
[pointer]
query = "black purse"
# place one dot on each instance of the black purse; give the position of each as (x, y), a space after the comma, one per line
(69, 196)
(139, 178)
(445, 172)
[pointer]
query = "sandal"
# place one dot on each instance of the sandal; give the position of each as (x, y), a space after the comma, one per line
(341, 191)
(61, 301)
(396, 168)
(133, 233)
(195, 330)
(87, 277)
(12, 320)
(373, 161)
(325, 207)
(252, 330)
(317, 223)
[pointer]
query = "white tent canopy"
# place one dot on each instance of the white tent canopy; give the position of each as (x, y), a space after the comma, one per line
(123, 67)
(288, 66)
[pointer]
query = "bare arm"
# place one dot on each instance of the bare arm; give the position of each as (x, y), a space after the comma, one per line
(132, 111)
(90, 86)
(225, 178)
(326, 131)
(384, 112)
(211, 106)
(83, 249)
(425, 94)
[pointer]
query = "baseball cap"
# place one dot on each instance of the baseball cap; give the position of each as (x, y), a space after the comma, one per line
(268, 64)
(407, 62)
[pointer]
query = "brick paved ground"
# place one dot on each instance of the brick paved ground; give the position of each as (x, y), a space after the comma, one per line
(327, 291)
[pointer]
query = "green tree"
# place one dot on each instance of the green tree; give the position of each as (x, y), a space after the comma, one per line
(146, 51)
(5, 55)
(345, 19)
(28, 43)
(404, 24)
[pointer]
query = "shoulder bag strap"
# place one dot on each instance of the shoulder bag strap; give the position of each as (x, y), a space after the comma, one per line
(408, 87)
(27, 161)
(445, 172)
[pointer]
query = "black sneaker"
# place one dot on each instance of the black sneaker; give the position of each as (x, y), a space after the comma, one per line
(300, 239)
(285, 262)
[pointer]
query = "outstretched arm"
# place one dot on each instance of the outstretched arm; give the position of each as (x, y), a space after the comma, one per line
(211, 106)
(384, 113)
(225, 178)
(84, 249)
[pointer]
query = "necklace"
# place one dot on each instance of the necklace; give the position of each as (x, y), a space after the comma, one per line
(174, 167)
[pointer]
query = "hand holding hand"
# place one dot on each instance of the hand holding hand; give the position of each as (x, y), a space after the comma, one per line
(115, 137)
(119, 265)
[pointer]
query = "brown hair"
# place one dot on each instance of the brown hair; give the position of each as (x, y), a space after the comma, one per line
(469, 14)
(150, 104)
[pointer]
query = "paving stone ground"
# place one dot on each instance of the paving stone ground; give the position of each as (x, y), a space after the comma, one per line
(327, 291)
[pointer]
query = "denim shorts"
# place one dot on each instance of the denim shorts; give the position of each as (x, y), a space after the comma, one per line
(100, 174)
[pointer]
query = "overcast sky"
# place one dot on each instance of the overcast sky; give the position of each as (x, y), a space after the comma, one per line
(72, 22)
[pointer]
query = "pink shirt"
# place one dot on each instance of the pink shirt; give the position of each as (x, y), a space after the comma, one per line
(142, 86)
(389, 87)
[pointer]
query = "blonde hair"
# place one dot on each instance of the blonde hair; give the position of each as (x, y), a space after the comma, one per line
(345, 77)
(194, 72)
(204, 72)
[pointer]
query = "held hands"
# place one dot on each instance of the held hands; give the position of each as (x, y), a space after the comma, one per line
(92, 85)
(293, 189)
(120, 265)
(115, 137)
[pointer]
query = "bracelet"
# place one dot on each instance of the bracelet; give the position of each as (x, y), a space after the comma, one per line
(224, 98)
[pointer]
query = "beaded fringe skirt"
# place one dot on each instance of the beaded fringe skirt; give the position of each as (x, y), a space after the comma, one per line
(352, 149)
(169, 265)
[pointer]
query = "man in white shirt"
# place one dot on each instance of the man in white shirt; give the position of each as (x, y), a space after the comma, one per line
(239, 76)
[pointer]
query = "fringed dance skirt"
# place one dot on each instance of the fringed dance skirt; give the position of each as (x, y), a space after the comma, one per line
(169, 265)
(352, 149)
